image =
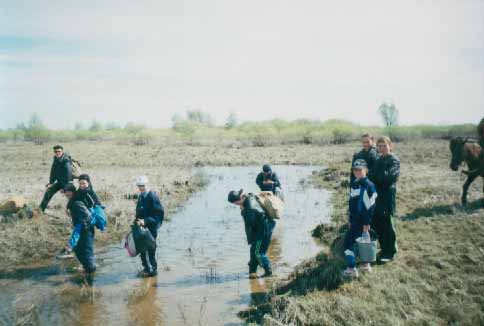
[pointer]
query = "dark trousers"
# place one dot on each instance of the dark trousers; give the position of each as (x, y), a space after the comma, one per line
(49, 193)
(85, 249)
(150, 254)
(383, 225)
(351, 235)
(259, 247)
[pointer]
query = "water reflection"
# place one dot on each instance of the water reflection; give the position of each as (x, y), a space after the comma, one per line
(204, 254)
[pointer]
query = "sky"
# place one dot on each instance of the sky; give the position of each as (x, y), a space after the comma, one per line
(143, 61)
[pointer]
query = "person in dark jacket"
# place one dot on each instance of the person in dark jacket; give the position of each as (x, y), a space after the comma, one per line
(86, 192)
(361, 208)
(84, 249)
(150, 214)
(385, 175)
(367, 153)
(258, 230)
(267, 180)
(60, 175)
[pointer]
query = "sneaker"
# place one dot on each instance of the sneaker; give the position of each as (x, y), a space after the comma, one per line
(384, 259)
(253, 276)
(65, 254)
(351, 272)
(365, 268)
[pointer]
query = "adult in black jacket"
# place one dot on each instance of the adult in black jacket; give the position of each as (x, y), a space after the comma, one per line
(81, 215)
(60, 175)
(368, 153)
(268, 180)
(258, 230)
(385, 175)
(150, 214)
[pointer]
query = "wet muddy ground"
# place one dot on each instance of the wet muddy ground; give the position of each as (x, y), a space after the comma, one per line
(203, 257)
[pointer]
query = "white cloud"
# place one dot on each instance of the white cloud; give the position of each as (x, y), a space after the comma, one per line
(144, 61)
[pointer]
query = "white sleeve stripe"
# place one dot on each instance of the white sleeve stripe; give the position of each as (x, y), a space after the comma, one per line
(369, 202)
(355, 192)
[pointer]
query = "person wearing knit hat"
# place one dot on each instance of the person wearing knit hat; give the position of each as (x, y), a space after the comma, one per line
(258, 230)
(268, 180)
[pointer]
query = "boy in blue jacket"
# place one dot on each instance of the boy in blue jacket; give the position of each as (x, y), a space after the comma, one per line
(150, 214)
(361, 207)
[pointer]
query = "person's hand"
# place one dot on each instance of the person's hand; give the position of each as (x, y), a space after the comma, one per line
(141, 222)
(366, 228)
(49, 185)
(268, 182)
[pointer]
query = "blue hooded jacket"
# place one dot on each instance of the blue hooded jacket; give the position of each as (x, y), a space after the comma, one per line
(362, 201)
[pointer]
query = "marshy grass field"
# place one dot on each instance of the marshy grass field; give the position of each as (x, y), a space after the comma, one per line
(436, 279)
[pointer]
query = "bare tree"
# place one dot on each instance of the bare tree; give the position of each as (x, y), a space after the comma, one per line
(389, 114)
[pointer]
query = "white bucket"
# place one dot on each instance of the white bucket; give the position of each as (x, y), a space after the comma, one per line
(366, 250)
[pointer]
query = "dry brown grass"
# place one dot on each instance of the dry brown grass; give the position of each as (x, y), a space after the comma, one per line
(113, 167)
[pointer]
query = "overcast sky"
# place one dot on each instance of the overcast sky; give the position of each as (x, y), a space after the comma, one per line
(143, 61)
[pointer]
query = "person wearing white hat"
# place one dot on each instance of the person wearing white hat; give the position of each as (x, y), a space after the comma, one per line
(150, 214)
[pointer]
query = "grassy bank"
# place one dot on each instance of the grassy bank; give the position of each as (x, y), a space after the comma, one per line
(438, 276)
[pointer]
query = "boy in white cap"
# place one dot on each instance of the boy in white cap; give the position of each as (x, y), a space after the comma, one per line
(150, 214)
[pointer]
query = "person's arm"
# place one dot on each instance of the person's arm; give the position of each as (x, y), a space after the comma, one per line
(139, 213)
(157, 206)
(68, 171)
(372, 157)
(94, 197)
(249, 218)
(157, 212)
(52, 177)
(393, 173)
(277, 183)
(260, 180)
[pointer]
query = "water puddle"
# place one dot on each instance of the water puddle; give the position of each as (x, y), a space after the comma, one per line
(202, 253)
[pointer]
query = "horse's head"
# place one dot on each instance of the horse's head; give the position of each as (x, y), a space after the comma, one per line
(457, 150)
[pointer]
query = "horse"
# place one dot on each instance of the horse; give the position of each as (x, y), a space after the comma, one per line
(468, 151)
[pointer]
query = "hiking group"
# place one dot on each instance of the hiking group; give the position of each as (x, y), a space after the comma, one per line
(372, 203)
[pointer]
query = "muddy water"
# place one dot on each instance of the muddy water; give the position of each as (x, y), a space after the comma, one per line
(202, 253)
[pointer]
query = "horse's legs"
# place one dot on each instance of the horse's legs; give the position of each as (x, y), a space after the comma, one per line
(465, 189)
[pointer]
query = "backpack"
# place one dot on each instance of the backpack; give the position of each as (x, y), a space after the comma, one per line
(143, 239)
(98, 217)
(76, 168)
(272, 205)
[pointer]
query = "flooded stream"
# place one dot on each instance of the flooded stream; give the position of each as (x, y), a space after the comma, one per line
(202, 253)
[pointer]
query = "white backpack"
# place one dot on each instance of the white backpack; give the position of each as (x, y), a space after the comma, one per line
(272, 205)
